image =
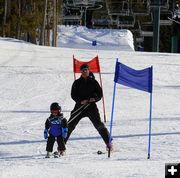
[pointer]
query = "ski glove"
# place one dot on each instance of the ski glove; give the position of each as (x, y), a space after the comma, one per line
(64, 132)
(45, 133)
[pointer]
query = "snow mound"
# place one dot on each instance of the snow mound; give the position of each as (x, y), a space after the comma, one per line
(106, 39)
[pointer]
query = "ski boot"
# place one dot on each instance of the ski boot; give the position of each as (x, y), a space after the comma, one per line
(48, 155)
(56, 154)
(62, 153)
(111, 148)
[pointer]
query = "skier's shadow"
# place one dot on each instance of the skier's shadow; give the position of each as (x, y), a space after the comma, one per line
(125, 136)
(21, 157)
(89, 138)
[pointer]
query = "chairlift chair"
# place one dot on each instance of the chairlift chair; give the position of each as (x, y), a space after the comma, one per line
(78, 4)
(83, 3)
(70, 4)
(139, 39)
(72, 20)
(148, 20)
(100, 21)
(118, 7)
(145, 33)
(165, 14)
(140, 9)
(137, 33)
(71, 16)
(126, 21)
(161, 4)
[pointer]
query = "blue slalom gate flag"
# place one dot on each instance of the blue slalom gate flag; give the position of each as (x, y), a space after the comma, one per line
(94, 43)
(138, 79)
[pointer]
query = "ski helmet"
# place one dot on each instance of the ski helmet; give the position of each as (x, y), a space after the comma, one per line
(55, 106)
(84, 66)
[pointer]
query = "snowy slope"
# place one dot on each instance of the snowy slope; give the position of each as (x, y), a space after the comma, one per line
(32, 77)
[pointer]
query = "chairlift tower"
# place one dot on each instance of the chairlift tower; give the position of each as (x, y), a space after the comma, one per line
(156, 27)
(157, 5)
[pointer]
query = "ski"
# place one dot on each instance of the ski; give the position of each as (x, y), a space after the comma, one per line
(54, 155)
(174, 20)
(48, 156)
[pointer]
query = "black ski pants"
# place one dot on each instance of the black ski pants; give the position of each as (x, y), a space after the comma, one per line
(51, 140)
(92, 113)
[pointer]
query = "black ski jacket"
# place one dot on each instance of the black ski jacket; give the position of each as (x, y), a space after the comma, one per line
(84, 89)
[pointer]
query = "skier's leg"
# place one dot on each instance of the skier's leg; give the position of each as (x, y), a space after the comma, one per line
(94, 116)
(50, 143)
(61, 144)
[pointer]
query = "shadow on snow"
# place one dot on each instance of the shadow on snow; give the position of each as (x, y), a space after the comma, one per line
(89, 138)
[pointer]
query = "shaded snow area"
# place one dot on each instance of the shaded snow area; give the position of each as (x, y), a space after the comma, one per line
(32, 77)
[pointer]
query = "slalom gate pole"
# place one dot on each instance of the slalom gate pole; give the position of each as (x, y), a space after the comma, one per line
(102, 97)
(150, 116)
(79, 113)
(150, 126)
(112, 112)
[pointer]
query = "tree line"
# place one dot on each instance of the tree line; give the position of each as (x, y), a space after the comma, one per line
(30, 20)
(36, 21)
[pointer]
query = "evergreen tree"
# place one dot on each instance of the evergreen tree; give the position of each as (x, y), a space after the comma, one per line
(42, 37)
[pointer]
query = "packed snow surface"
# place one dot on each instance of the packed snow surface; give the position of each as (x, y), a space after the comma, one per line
(32, 77)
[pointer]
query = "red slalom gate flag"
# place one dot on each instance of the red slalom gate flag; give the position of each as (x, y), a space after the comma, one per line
(93, 64)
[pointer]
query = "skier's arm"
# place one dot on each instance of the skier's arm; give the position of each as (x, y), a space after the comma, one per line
(64, 128)
(47, 124)
(74, 93)
(64, 123)
(98, 92)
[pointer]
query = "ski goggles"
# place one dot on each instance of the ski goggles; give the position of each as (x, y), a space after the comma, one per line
(84, 70)
(54, 111)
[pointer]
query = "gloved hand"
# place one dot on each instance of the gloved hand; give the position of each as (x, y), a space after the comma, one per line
(64, 132)
(45, 133)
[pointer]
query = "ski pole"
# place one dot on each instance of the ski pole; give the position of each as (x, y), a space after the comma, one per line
(78, 113)
(77, 110)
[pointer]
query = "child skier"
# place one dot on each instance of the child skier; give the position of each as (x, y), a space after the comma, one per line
(55, 128)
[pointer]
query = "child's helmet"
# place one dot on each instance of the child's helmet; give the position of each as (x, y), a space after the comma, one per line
(55, 106)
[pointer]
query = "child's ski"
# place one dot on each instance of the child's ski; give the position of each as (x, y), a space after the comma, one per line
(55, 155)
(48, 156)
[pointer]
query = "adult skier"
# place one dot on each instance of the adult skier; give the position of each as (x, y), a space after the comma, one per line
(86, 91)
